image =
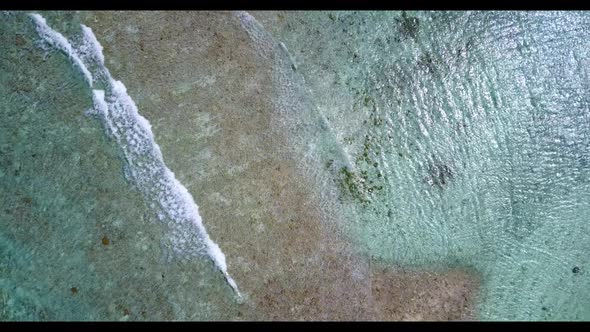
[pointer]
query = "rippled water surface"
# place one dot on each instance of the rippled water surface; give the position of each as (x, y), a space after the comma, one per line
(467, 144)
(435, 140)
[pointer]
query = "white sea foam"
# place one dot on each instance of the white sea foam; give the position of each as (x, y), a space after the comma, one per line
(58, 41)
(91, 46)
(144, 163)
(100, 105)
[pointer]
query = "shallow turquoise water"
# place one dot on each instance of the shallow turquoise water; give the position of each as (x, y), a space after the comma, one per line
(465, 139)
(467, 143)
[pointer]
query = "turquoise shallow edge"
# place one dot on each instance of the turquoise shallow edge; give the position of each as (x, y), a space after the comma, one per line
(468, 136)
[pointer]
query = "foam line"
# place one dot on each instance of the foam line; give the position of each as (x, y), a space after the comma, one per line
(144, 163)
(58, 41)
(91, 46)
(156, 181)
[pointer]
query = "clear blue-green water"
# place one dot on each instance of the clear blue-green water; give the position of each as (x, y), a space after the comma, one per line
(454, 139)
(467, 143)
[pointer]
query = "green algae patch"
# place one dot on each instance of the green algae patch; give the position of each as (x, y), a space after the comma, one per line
(353, 185)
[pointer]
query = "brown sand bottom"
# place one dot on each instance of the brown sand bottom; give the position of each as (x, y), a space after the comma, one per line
(292, 260)
(396, 296)
(296, 263)
(322, 278)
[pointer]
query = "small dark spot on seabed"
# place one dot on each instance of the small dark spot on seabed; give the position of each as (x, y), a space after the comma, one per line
(74, 290)
(27, 200)
(440, 174)
(105, 241)
(329, 163)
(544, 308)
(408, 26)
(576, 269)
(19, 40)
